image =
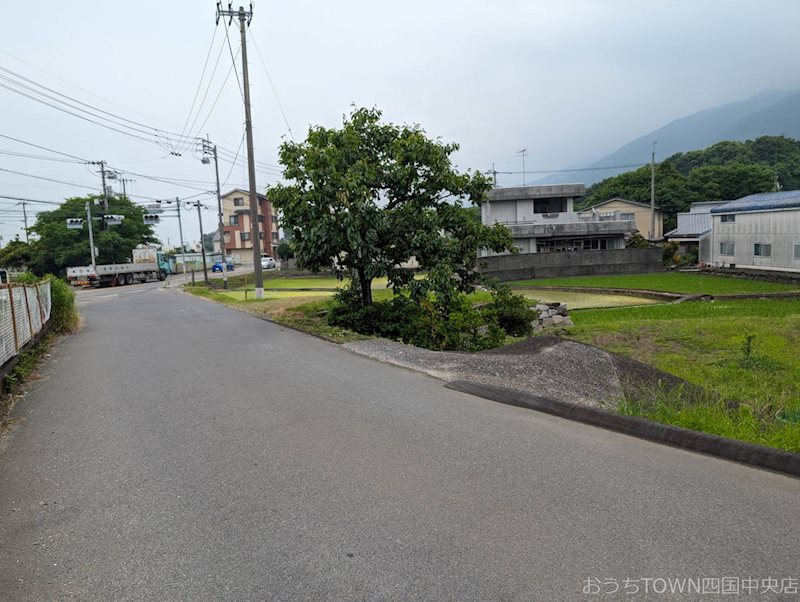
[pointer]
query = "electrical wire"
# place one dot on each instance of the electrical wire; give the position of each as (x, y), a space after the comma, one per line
(233, 62)
(271, 85)
(96, 112)
(199, 84)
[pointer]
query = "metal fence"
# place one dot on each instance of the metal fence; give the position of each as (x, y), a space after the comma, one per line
(24, 311)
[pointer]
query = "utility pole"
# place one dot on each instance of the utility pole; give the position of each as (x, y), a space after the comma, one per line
(202, 245)
(124, 189)
(88, 208)
(207, 146)
(25, 219)
(494, 175)
(653, 192)
(244, 19)
(180, 230)
(523, 152)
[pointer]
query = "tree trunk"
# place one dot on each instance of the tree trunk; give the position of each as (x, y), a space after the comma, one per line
(366, 287)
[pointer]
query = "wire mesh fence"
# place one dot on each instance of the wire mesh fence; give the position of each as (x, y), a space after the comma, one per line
(24, 311)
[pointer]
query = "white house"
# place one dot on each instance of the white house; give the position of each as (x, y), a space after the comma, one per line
(542, 219)
(760, 231)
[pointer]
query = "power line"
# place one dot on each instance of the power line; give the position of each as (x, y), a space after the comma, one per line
(199, 84)
(89, 92)
(38, 157)
(271, 85)
(233, 62)
(546, 171)
(28, 175)
(44, 148)
(216, 100)
(136, 125)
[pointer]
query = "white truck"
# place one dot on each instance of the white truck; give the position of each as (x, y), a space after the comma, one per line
(147, 264)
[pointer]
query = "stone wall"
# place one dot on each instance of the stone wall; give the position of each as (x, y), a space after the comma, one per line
(551, 315)
(522, 266)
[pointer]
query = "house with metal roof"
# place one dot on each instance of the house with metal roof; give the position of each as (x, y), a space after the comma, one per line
(757, 232)
(692, 225)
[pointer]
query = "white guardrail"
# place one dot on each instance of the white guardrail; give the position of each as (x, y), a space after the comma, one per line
(24, 311)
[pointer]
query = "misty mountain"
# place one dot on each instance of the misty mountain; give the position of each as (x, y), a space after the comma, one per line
(776, 112)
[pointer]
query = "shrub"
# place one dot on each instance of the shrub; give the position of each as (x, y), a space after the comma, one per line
(432, 322)
(512, 312)
(63, 311)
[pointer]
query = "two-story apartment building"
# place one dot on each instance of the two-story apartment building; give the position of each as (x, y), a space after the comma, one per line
(757, 232)
(236, 220)
(542, 219)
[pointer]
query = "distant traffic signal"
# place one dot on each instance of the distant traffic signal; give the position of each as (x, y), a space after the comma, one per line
(151, 219)
(113, 220)
(75, 223)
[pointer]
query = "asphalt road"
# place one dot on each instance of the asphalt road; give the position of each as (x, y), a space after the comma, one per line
(175, 449)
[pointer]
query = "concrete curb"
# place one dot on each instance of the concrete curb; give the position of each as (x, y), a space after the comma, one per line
(729, 449)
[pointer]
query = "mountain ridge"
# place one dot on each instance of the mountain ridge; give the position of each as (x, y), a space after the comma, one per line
(773, 112)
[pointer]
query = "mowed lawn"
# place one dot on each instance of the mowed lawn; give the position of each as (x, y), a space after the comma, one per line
(706, 343)
(688, 283)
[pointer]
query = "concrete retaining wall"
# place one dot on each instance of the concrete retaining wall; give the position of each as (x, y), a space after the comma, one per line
(577, 263)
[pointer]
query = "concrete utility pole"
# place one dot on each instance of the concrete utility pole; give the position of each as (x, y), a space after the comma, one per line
(180, 231)
(202, 244)
(653, 193)
(25, 219)
(88, 208)
(208, 147)
(244, 19)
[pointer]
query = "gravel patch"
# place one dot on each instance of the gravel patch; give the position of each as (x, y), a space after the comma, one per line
(545, 366)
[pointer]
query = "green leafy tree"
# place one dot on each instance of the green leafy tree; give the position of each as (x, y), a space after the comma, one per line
(374, 195)
(16, 254)
(58, 247)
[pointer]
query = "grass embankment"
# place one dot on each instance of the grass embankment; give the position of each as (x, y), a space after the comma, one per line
(688, 283)
(744, 353)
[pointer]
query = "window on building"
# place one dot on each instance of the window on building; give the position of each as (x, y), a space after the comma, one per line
(238, 201)
(627, 216)
(549, 205)
(260, 219)
(797, 252)
(227, 238)
(728, 218)
(727, 248)
(234, 220)
(274, 236)
(274, 219)
(761, 249)
(244, 235)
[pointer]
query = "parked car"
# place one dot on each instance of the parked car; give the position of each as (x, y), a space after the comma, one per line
(267, 262)
(217, 267)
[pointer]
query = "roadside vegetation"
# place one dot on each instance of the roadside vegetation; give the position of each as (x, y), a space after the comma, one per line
(64, 318)
(687, 283)
(743, 353)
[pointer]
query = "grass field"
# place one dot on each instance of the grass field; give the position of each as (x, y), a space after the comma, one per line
(689, 283)
(706, 343)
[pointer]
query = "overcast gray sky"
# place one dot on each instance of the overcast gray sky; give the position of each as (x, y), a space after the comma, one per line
(569, 80)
